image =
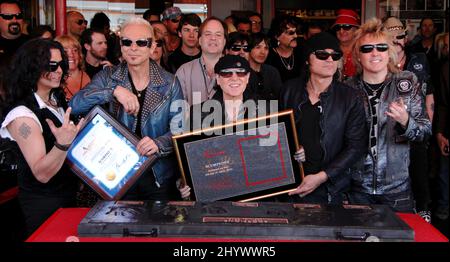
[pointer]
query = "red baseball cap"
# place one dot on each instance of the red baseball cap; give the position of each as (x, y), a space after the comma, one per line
(347, 17)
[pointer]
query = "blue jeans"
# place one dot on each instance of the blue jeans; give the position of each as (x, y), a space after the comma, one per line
(442, 183)
(398, 202)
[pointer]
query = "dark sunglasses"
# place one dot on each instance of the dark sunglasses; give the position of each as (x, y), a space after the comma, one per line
(400, 37)
(174, 20)
(229, 73)
(324, 55)
(369, 48)
(10, 16)
(345, 27)
(237, 48)
(159, 43)
(81, 21)
(291, 32)
(140, 42)
(53, 65)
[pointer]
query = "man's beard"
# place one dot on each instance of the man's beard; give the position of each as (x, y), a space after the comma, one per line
(14, 28)
(97, 56)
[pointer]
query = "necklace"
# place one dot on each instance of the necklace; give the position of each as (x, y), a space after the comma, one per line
(375, 90)
(289, 62)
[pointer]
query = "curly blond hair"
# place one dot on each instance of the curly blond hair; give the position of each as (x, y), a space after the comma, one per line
(374, 28)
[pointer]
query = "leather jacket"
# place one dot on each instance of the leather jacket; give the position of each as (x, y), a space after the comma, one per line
(389, 173)
(344, 132)
(162, 93)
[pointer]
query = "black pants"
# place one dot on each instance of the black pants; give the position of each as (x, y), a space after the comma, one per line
(418, 171)
(145, 188)
(38, 208)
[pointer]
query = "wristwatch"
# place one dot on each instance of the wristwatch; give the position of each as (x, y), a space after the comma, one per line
(62, 147)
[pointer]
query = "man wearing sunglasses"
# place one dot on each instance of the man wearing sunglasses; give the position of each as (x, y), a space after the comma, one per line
(140, 94)
(394, 112)
(345, 26)
(418, 64)
(171, 18)
(11, 23)
(330, 123)
(76, 24)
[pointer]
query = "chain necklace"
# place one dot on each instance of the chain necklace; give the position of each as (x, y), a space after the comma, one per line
(375, 91)
(289, 62)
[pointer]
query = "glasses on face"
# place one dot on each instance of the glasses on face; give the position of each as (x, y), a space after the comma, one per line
(369, 48)
(229, 73)
(140, 42)
(159, 43)
(175, 20)
(324, 55)
(400, 37)
(237, 48)
(53, 65)
(18, 16)
(290, 32)
(81, 21)
(345, 27)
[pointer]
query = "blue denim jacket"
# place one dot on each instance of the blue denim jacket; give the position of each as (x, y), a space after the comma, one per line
(163, 93)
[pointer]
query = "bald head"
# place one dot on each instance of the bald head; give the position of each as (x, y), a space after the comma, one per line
(76, 24)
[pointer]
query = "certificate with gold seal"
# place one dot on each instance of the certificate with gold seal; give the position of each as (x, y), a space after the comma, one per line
(104, 155)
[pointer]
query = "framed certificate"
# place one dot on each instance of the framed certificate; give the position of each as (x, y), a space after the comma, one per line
(104, 155)
(243, 161)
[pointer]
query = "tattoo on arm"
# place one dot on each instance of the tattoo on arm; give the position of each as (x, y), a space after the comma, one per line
(24, 130)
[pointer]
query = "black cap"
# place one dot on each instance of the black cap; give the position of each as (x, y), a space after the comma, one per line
(321, 41)
(231, 61)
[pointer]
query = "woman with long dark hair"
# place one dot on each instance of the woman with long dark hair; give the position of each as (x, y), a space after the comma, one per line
(37, 118)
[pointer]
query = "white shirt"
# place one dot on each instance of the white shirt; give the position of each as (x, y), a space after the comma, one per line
(23, 111)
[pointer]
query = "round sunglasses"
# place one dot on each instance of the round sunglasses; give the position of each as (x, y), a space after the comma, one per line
(324, 55)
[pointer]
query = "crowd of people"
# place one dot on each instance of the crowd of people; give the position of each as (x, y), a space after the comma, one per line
(363, 98)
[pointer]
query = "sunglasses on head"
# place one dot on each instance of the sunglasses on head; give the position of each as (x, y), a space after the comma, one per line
(369, 48)
(53, 65)
(159, 43)
(81, 21)
(11, 16)
(324, 55)
(229, 73)
(237, 48)
(345, 27)
(140, 42)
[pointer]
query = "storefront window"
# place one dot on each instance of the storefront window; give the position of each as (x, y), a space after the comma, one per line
(412, 11)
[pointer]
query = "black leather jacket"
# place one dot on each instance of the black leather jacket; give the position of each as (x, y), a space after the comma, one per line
(389, 174)
(344, 133)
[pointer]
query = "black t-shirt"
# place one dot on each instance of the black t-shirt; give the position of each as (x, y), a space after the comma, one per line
(266, 84)
(93, 70)
(374, 93)
(287, 67)
(178, 58)
(8, 48)
(310, 133)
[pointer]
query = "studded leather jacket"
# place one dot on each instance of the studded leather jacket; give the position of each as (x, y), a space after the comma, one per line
(388, 173)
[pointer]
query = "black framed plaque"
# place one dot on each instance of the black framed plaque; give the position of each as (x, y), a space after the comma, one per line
(104, 155)
(243, 161)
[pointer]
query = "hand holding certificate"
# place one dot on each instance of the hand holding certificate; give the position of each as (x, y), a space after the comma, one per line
(105, 155)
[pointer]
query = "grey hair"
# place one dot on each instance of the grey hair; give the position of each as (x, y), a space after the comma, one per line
(135, 20)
